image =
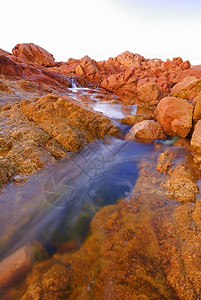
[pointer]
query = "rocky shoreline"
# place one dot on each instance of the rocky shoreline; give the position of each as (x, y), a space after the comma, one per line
(148, 245)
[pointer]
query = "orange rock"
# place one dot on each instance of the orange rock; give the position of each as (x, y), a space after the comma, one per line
(72, 124)
(193, 71)
(16, 265)
(188, 88)
(134, 119)
(175, 116)
(184, 83)
(197, 110)
(10, 68)
(137, 249)
(128, 59)
(149, 92)
(2, 52)
(89, 68)
(122, 84)
(147, 130)
(34, 54)
(196, 142)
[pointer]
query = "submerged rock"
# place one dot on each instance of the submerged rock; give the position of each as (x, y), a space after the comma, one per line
(18, 264)
(145, 247)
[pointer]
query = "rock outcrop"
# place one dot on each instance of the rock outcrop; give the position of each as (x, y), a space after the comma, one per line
(36, 132)
(127, 72)
(69, 122)
(35, 54)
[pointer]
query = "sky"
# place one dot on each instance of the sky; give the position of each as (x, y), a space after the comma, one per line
(104, 28)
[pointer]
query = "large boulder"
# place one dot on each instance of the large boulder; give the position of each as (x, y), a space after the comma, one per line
(197, 110)
(196, 142)
(89, 68)
(128, 59)
(188, 88)
(147, 130)
(148, 93)
(184, 83)
(175, 116)
(34, 54)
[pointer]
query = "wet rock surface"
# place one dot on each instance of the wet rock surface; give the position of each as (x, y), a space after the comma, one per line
(36, 133)
(145, 247)
(70, 123)
(148, 245)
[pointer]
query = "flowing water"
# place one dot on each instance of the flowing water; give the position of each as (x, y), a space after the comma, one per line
(58, 203)
(99, 175)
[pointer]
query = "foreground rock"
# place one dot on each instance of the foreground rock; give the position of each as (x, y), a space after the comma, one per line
(35, 133)
(175, 116)
(70, 123)
(146, 247)
(147, 131)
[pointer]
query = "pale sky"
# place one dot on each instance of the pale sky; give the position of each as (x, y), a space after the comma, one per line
(104, 28)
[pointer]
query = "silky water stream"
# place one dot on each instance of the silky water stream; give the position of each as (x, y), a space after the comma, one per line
(57, 204)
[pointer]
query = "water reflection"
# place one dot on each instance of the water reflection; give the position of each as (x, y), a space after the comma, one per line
(53, 200)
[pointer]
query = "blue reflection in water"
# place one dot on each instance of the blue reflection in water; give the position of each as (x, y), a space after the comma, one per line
(54, 200)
